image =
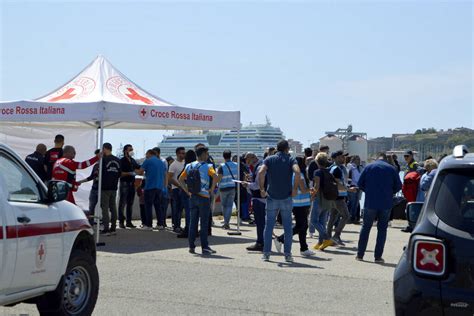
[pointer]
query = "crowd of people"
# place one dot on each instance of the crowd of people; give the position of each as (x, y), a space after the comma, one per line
(320, 191)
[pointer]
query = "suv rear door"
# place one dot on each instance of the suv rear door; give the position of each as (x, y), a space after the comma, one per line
(36, 227)
(454, 206)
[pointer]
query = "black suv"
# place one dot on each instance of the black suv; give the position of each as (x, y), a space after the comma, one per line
(435, 275)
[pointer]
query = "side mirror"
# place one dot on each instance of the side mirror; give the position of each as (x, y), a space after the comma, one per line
(57, 191)
(413, 212)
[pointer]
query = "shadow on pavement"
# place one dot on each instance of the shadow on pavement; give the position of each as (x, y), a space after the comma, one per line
(338, 252)
(295, 265)
(130, 241)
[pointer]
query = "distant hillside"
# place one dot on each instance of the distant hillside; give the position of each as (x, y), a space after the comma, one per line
(428, 142)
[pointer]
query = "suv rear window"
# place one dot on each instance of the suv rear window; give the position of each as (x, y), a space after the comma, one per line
(454, 202)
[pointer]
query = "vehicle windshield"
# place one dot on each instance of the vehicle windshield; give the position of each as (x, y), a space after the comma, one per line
(455, 199)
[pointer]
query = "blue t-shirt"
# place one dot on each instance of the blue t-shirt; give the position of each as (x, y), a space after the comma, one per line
(279, 175)
(380, 181)
(155, 171)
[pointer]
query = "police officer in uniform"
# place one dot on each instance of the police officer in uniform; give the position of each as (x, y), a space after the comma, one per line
(36, 161)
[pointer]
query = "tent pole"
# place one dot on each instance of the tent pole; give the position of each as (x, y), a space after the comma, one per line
(96, 138)
(98, 209)
(238, 186)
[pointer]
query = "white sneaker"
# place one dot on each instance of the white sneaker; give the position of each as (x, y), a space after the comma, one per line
(145, 228)
(159, 227)
(307, 253)
(278, 245)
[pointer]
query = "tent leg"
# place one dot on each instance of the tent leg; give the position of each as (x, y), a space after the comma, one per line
(238, 232)
(98, 208)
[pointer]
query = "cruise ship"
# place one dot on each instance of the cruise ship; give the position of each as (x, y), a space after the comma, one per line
(253, 138)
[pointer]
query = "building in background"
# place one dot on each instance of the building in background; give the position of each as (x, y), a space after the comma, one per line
(296, 147)
(354, 143)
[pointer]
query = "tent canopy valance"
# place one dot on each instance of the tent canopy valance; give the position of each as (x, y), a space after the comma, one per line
(101, 93)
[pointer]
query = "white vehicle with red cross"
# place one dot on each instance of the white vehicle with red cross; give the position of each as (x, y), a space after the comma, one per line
(47, 247)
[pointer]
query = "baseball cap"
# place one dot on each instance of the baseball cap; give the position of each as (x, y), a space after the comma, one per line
(338, 153)
(408, 153)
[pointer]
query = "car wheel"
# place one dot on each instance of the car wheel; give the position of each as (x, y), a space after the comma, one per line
(77, 292)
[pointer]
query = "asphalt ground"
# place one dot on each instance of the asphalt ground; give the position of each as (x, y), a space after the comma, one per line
(149, 273)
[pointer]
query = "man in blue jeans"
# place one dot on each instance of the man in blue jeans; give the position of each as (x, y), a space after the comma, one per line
(156, 179)
(279, 170)
(227, 171)
(379, 181)
(200, 203)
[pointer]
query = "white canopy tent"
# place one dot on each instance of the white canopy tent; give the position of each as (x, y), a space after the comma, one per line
(100, 97)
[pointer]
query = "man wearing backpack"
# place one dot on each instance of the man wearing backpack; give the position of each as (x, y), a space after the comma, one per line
(195, 179)
(279, 170)
(341, 209)
(227, 172)
(325, 194)
(380, 181)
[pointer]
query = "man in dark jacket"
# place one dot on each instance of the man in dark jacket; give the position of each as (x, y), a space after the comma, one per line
(111, 173)
(380, 181)
(53, 154)
(36, 161)
(127, 186)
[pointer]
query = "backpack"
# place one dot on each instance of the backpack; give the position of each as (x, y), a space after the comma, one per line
(329, 185)
(410, 186)
(193, 179)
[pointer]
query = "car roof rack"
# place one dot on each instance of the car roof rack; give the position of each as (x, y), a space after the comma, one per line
(459, 151)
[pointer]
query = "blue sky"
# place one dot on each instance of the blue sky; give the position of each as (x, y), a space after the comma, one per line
(384, 66)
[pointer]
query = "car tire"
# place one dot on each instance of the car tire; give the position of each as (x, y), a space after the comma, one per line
(77, 292)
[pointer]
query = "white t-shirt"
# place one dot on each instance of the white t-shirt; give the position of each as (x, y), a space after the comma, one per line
(175, 168)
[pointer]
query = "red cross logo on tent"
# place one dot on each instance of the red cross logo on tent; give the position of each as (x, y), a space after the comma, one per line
(68, 94)
(143, 112)
(134, 95)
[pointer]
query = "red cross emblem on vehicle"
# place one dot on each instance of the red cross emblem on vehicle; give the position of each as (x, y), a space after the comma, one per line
(143, 112)
(41, 252)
